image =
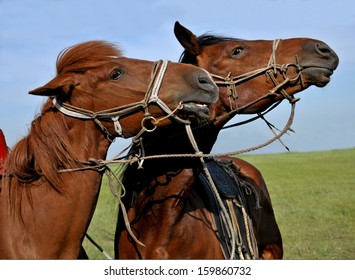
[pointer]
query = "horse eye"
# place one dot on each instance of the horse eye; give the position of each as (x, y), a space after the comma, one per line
(116, 74)
(237, 51)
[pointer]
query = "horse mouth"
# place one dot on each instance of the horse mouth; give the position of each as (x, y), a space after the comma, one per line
(318, 76)
(326, 75)
(199, 110)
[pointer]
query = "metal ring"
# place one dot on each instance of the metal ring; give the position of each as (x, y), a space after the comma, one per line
(152, 120)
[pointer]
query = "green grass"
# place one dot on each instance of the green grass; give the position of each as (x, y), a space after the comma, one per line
(103, 224)
(313, 196)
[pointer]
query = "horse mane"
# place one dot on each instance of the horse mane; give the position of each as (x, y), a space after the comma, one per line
(84, 56)
(43, 151)
(46, 148)
(204, 40)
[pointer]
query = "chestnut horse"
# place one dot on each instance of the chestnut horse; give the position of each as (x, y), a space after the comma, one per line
(51, 178)
(168, 208)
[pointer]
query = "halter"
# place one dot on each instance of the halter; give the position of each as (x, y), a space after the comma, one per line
(114, 114)
(271, 71)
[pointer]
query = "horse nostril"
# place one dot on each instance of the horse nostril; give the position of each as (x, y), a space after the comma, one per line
(326, 52)
(204, 79)
(323, 49)
(206, 83)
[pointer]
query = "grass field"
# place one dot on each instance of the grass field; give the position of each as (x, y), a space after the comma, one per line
(313, 195)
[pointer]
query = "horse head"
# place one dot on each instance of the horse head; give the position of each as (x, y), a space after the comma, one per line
(94, 81)
(254, 74)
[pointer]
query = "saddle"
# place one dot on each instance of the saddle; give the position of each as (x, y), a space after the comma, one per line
(232, 191)
(3, 151)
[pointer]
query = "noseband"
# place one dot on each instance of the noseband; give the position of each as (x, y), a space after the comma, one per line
(114, 114)
(271, 71)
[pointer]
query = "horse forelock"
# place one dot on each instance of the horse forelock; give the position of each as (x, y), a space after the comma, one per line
(83, 56)
(212, 39)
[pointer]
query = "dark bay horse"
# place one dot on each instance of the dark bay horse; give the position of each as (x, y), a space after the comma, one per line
(167, 205)
(51, 178)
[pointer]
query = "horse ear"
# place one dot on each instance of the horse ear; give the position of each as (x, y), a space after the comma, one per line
(60, 85)
(187, 39)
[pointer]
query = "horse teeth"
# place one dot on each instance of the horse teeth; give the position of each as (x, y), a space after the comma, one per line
(196, 104)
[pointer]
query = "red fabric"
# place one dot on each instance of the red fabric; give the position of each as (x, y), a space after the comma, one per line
(3, 150)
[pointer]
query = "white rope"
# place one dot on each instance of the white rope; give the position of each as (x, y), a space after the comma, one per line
(225, 216)
(118, 195)
(154, 98)
(117, 125)
(69, 113)
(159, 79)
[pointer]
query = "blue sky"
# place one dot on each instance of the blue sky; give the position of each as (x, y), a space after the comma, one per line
(33, 32)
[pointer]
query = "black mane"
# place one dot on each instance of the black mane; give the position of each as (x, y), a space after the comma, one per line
(204, 40)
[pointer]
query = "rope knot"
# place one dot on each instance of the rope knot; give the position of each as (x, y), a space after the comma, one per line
(199, 153)
(283, 68)
(228, 78)
(98, 163)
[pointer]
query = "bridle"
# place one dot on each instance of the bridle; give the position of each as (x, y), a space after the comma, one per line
(115, 114)
(270, 70)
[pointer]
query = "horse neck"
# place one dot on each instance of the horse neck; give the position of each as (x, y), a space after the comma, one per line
(89, 142)
(173, 139)
(162, 191)
(54, 219)
(167, 140)
(56, 144)
(86, 143)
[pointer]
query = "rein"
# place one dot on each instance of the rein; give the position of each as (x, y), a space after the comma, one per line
(114, 114)
(138, 158)
(100, 165)
(259, 115)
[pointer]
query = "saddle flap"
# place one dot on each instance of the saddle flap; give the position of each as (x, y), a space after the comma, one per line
(225, 184)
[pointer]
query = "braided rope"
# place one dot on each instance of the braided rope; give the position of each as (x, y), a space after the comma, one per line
(139, 159)
(118, 194)
(248, 230)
